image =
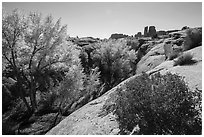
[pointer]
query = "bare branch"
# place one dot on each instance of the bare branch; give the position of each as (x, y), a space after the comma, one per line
(31, 58)
(8, 59)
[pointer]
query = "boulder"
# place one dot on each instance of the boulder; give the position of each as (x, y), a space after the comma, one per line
(193, 38)
(152, 59)
(168, 50)
(172, 47)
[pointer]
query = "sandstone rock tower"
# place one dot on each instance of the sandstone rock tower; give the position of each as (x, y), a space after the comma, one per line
(152, 31)
(146, 31)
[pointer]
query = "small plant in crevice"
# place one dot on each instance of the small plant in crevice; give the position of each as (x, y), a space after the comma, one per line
(160, 104)
(184, 59)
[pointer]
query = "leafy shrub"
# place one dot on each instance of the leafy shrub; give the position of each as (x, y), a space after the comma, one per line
(161, 104)
(193, 38)
(92, 83)
(77, 84)
(184, 59)
(47, 103)
(114, 59)
(134, 44)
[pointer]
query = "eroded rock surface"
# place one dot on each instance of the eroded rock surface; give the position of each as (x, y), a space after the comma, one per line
(191, 73)
(92, 119)
(152, 59)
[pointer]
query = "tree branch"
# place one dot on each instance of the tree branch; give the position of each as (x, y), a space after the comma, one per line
(8, 59)
(52, 63)
(23, 74)
(6, 37)
(31, 58)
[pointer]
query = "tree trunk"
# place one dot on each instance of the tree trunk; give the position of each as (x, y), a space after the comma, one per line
(33, 94)
(21, 90)
(24, 99)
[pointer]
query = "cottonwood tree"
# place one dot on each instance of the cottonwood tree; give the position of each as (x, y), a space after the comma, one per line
(32, 45)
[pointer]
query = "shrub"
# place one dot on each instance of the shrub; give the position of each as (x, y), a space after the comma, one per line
(184, 59)
(161, 104)
(92, 83)
(173, 55)
(134, 44)
(193, 39)
(114, 60)
(47, 103)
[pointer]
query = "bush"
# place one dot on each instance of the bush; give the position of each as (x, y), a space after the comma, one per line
(161, 104)
(173, 55)
(134, 44)
(184, 59)
(193, 38)
(92, 83)
(115, 60)
(47, 103)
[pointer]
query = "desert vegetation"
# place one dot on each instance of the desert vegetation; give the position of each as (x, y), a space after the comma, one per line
(47, 75)
(158, 105)
(46, 69)
(184, 59)
(52, 75)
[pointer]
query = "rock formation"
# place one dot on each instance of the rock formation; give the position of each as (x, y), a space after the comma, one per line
(138, 35)
(118, 36)
(92, 119)
(152, 31)
(84, 41)
(152, 59)
(146, 31)
(161, 32)
(185, 27)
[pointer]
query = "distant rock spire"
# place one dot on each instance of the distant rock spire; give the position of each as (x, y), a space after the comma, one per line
(146, 31)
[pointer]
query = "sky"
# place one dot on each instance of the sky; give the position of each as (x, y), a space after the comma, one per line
(101, 19)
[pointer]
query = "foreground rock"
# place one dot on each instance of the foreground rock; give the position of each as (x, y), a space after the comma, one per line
(152, 59)
(91, 118)
(192, 73)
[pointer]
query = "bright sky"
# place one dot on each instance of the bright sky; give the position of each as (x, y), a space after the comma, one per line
(103, 19)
